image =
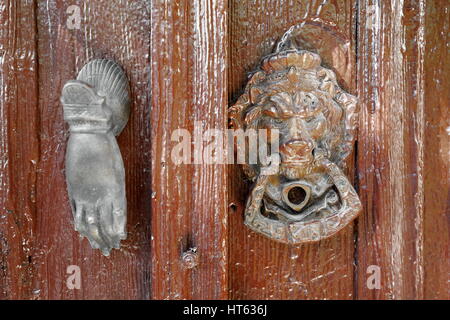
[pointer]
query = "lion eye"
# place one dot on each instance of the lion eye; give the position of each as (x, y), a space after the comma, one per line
(310, 101)
(271, 112)
(278, 121)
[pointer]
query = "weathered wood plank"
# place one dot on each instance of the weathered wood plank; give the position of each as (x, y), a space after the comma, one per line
(116, 30)
(436, 150)
(402, 158)
(19, 147)
(260, 268)
(403, 229)
(189, 57)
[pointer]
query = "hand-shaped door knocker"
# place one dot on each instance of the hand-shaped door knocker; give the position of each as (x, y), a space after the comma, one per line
(97, 106)
(308, 197)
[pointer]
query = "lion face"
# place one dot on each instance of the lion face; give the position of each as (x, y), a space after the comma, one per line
(315, 119)
(302, 125)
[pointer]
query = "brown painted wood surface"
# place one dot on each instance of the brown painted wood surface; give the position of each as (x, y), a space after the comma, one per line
(436, 152)
(187, 61)
(402, 156)
(38, 241)
(403, 148)
(19, 147)
(189, 200)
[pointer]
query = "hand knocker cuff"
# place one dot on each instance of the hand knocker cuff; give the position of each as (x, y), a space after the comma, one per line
(308, 198)
(96, 107)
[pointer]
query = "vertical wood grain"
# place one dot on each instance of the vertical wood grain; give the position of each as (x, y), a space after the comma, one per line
(260, 268)
(19, 146)
(118, 30)
(187, 61)
(436, 150)
(401, 153)
(188, 67)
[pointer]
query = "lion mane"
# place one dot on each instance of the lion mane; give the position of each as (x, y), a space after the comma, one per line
(287, 71)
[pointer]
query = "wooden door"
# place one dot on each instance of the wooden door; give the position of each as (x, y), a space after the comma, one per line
(187, 61)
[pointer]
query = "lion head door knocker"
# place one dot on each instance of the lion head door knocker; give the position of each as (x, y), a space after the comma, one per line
(97, 106)
(308, 198)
